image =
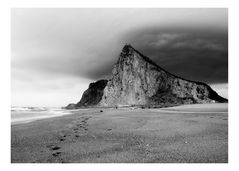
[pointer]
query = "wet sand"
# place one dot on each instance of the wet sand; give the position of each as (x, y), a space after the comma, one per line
(182, 134)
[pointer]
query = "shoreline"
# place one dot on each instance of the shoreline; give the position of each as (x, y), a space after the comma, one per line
(165, 109)
(45, 115)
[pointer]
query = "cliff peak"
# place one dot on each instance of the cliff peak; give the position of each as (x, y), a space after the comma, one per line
(127, 50)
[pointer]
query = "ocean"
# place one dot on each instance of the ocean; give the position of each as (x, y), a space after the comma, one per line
(29, 114)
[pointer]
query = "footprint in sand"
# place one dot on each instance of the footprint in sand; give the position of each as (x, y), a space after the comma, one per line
(57, 157)
(55, 148)
(56, 154)
(61, 139)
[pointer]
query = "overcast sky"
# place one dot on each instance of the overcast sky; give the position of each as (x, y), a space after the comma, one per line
(56, 53)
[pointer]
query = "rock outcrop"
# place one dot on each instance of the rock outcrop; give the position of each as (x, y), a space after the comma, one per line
(71, 106)
(93, 95)
(137, 80)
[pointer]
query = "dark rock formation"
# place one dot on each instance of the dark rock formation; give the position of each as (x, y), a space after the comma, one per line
(93, 95)
(71, 106)
(137, 80)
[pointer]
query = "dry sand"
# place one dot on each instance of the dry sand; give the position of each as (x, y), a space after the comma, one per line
(197, 134)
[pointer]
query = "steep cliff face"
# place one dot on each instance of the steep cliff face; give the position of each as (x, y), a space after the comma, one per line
(93, 95)
(137, 80)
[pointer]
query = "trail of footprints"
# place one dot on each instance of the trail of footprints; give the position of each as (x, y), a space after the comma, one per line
(81, 126)
(78, 127)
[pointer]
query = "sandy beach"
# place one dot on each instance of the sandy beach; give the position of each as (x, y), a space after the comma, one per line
(182, 134)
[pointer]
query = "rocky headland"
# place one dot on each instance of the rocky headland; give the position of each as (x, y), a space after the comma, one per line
(138, 81)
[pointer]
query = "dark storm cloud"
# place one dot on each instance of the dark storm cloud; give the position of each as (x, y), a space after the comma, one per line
(86, 42)
(199, 54)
